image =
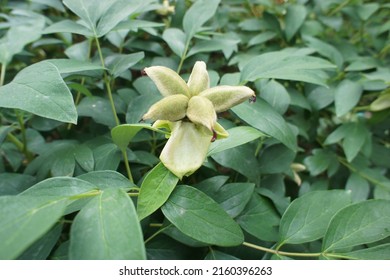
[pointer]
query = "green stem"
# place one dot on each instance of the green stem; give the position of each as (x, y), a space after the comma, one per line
(82, 82)
(183, 56)
(362, 108)
(19, 145)
(19, 115)
(107, 82)
(85, 195)
(157, 233)
(339, 7)
(2, 73)
(344, 162)
(127, 165)
(282, 253)
(108, 87)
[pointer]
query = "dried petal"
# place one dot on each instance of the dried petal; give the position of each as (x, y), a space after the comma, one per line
(167, 81)
(186, 149)
(171, 108)
(225, 97)
(201, 111)
(199, 79)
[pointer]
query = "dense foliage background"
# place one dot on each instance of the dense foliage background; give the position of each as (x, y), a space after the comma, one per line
(303, 174)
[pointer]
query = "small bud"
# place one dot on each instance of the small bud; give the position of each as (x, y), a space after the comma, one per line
(170, 108)
(167, 81)
(225, 97)
(201, 111)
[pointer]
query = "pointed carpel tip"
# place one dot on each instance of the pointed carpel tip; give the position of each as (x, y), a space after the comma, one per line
(143, 72)
(214, 136)
(252, 99)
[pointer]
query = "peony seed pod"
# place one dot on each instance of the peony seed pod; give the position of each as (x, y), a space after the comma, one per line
(170, 108)
(199, 79)
(167, 81)
(225, 97)
(201, 111)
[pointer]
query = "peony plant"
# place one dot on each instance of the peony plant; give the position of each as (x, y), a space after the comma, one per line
(189, 111)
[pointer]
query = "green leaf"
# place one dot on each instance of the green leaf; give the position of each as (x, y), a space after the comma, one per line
(338, 134)
(14, 183)
(121, 62)
(358, 186)
(237, 136)
(84, 157)
(286, 65)
(295, 17)
(276, 159)
(118, 11)
(225, 44)
(98, 108)
(107, 228)
(326, 50)
(307, 217)
(320, 161)
(56, 4)
(107, 179)
(354, 135)
(197, 15)
(320, 97)
(68, 26)
(89, 11)
(136, 24)
(41, 248)
(380, 252)
(63, 165)
(347, 95)
(209, 185)
(231, 197)
(360, 223)
(176, 40)
(354, 140)
(39, 89)
(260, 219)
(218, 255)
(122, 134)
(59, 186)
(362, 63)
(262, 38)
(17, 37)
(276, 95)
(4, 130)
(262, 116)
(240, 159)
(24, 219)
(107, 157)
(102, 16)
(365, 11)
(200, 217)
(155, 190)
(70, 66)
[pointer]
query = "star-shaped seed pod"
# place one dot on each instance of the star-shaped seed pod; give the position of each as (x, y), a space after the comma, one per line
(189, 110)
